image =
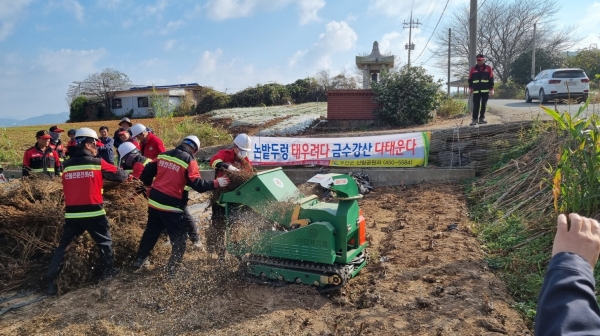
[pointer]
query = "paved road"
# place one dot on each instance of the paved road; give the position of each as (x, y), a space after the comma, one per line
(505, 110)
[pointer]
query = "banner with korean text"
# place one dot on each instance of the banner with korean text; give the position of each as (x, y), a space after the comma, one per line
(397, 150)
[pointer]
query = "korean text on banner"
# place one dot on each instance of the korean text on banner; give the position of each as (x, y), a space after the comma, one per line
(398, 150)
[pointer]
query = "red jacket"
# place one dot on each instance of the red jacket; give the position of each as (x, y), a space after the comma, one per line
(136, 166)
(223, 159)
(152, 147)
(36, 161)
(168, 175)
(481, 79)
(71, 147)
(82, 184)
(58, 147)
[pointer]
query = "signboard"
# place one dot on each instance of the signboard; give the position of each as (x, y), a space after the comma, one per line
(397, 150)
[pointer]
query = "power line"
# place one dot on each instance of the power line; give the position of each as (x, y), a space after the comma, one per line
(434, 29)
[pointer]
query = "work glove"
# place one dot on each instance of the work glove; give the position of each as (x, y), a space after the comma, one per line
(129, 178)
(232, 168)
(222, 181)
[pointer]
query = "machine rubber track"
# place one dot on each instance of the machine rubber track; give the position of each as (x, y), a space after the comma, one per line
(343, 271)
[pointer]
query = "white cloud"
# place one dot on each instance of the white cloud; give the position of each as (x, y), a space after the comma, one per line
(169, 44)
(110, 4)
(75, 7)
(309, 10)
(52, 70)
(390, 42)
(157, 8)
(10, 13)
(171, 27)
(338, 37)
(591, 25)
(230, 9)
(194, 13)
(127, 23)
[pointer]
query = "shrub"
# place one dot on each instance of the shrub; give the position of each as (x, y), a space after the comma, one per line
(406, 97)
(452, 107)
(509, 90)
(77, 109)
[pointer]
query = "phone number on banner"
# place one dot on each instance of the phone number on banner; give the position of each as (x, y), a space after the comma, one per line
(377, 163)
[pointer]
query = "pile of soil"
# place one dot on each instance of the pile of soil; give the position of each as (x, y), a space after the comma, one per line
(423, 278)
(31, 222)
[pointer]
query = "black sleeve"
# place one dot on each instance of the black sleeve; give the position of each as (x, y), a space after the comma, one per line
(149, 173)
(567, 304)
(25, 171)
(199, 184)
(222, 165)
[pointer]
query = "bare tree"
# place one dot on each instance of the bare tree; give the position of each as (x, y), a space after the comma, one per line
(504, 31)
(100, 87)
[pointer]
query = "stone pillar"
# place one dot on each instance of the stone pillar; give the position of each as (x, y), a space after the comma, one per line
(366, 77)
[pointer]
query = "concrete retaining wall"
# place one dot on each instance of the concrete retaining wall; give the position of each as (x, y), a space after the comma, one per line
(379, 177)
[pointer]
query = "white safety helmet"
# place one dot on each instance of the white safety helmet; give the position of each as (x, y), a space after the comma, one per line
(137, 129)
(85, 132)
(126, 148)
(194, 139)
(243, 141)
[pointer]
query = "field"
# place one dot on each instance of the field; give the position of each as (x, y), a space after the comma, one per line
(15, 140)
(422, 279)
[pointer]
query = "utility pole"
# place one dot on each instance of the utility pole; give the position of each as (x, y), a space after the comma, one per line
(472, 41)
(472, 33)
(410, 25)
(449, 40)
(533, 54)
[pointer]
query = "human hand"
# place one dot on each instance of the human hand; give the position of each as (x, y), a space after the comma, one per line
(222, 181)
(232, 168)
(129, 178)
(491, 92)
(582, 239)
(470, 90)
(148, 191)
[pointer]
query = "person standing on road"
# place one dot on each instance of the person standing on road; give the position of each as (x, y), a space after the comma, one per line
(481, 86)
(124, 124)
(150, 144)
(166, 179)
(56, 144)
(227, 160)
(41, 158)
(82, 185)
(106, 151)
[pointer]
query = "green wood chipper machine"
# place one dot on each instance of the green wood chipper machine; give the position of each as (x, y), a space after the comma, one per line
(315, 243)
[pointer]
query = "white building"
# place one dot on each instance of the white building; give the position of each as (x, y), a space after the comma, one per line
(137, 99)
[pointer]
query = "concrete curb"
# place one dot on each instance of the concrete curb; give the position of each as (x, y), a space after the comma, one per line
(379, 177)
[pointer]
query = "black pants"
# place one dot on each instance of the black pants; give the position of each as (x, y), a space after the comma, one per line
(192, 228)
(215, 235)
(479, 99)
(97, 227)
(176, 226)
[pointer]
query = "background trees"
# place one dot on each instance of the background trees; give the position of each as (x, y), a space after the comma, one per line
(504, 32)
(100, 87)
(406, 97)
(520, 70)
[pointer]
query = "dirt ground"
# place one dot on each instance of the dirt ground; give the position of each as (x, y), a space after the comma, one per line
(422, 279)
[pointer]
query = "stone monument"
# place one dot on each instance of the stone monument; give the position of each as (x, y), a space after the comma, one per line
(373, 64)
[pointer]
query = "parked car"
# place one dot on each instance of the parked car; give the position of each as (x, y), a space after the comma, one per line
(554, 84)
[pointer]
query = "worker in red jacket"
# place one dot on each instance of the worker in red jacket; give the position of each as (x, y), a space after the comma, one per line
(56, 144)
(41, 158)
(227, 160)
(72, 144)
(150, 144)
(166, 178)
(481, 86)
(82, 184)
(131, 160)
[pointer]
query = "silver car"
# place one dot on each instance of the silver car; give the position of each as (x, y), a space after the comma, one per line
(559, 84)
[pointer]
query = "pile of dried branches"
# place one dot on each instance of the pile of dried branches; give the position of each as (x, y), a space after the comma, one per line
(521, 186)
(31, 221)
(235, 179)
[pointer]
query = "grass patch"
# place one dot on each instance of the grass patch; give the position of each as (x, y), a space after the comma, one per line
(452, 107)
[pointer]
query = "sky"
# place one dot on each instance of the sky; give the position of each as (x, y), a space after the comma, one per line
(45, 45)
